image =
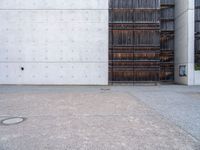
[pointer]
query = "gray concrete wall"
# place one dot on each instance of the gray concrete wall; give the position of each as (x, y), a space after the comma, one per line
(184, 40)
(55, 41)
(197, 77)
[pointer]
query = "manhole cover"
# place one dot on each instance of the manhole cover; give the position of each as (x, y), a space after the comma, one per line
(13, 120)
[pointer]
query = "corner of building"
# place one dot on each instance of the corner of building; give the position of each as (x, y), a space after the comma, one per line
(184, 42)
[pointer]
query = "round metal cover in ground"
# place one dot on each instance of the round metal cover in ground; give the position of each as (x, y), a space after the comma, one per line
(12, 121)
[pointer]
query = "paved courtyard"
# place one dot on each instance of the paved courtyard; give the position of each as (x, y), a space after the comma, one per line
(101, 117)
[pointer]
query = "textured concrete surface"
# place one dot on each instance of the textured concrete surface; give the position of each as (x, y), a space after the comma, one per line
(184, 40)
(54, 42)
(179, 104)
(70, 118)
(197, 77)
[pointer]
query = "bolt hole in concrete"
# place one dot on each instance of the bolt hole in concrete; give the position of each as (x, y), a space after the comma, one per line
(12, 121)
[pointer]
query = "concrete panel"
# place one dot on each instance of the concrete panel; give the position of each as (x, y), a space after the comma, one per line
(55, 44)
(184, 40)
(191, 37)
(181, 39)
(52, 16)
(191, 4)
(197, 77)
(181, 7)
(54, 4)
(54, 73)
(64, 45)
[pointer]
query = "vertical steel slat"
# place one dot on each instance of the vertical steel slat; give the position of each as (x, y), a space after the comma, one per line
(135, 73)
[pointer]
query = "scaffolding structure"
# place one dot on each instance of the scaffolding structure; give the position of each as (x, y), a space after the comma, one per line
(197, 33)
(134, 51)
(167, 40)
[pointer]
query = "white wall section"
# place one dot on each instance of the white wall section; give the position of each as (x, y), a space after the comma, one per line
(184, 40)
(54, 41)
(54, 4)
(197, 77)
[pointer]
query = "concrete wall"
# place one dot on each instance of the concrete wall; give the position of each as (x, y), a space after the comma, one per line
(197, 77)
(184, 40)
(55, 41)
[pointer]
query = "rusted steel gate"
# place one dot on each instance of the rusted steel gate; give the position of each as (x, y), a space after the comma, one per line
(135, 42)
(197, 33)
(167, 40)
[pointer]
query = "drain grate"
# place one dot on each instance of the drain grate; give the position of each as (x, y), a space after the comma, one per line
(105, 89)
(12, 121)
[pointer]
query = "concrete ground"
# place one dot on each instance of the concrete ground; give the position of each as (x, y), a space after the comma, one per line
(101, 118)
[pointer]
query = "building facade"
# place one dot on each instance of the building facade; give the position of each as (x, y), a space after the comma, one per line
(97, 42)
